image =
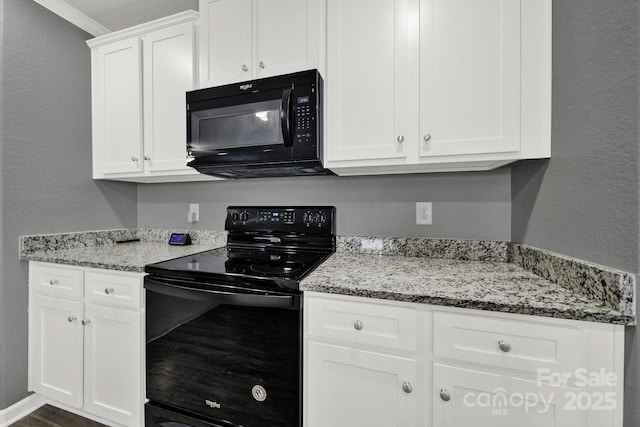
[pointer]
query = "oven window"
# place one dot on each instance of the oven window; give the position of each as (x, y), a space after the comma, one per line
(246, 125)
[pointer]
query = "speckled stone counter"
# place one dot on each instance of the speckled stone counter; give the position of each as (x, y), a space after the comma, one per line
(484, 275)
(455, 275)
(99, 249)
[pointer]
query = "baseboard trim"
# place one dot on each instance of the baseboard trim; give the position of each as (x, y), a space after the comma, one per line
(21, 409)
(83, 414)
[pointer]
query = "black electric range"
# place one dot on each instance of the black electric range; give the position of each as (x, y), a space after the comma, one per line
(224, 327)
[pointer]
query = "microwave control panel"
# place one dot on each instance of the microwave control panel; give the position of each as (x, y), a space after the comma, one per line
(304, 112)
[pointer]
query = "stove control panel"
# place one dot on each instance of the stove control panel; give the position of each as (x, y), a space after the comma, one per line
(305, 219)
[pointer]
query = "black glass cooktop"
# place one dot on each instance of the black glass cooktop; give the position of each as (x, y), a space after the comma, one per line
(261, 267)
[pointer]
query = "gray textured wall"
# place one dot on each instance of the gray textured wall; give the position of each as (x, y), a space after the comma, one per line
(2, 299)
(583, 202)
(465, 205)
(45, 167)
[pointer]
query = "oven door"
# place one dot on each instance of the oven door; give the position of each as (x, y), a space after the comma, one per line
(221, 356)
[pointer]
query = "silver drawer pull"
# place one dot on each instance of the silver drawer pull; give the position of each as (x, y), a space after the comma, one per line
(407, 387)
(244, 67)
(444, 395)
(401, 139)
(504, 346)
(53, 282)
(86, 322)
(427, 137)
(261, 64)
(71, 318)
(134, 159)
(358, 325)
(109, 291)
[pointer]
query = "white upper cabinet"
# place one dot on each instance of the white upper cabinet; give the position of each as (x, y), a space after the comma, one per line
(225, 41)
(367, 80)
(168, 73)
(117, 107)
(248, 39)
(436, 85)
(140, 77)
(469, 77)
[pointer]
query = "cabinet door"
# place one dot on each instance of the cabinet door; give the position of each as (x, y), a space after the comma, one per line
(347, 387)
(367, 80)
(470, 77)
(464, 397)
(56, 349)
(225, 41)
(168, 74)
(113, 364)
(117, 108)
(286, 36)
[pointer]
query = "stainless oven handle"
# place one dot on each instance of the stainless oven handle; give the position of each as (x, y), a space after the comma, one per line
(285, 117)
(291, 302)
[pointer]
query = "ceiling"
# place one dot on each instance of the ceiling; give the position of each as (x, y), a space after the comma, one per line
(115, 15)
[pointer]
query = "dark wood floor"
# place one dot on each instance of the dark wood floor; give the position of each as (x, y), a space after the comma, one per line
(49, 416)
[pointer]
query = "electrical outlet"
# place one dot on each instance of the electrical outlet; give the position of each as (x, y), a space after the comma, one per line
(424, 213)
(194, 212)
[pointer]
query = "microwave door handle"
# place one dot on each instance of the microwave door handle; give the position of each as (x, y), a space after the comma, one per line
(285, 117)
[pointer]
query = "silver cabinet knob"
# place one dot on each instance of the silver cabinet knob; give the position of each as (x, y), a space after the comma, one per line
(244, 68)
(504, 346)
(444, 395)
(134, 159)
(261, 64)
(427, 137)
(401, 139)
(407, 387)
(358, 325)
(71, 318)
(86, 321)
(109, 291)
(147, 158)
(53, 282)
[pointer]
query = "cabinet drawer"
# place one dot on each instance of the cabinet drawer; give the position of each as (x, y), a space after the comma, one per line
(114, 288)
(56, 280)
(363, 323)
(508, 343)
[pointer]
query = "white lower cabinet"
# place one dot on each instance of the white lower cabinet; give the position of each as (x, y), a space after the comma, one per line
(86, 352)
(113, 363)
(56, 349)
(469, 397)
(372, 362)
(359, 388)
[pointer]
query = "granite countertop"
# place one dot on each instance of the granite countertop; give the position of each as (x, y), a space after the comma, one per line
(100, 249)
(132, 256)
(484, 285)
(484, 275)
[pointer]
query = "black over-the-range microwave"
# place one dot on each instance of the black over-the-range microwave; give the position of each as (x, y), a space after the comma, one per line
(265, 127)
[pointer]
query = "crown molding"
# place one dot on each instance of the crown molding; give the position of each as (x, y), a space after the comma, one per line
(140, 29)
(73, 15)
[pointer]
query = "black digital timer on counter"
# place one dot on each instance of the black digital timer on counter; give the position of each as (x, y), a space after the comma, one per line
(180, 239)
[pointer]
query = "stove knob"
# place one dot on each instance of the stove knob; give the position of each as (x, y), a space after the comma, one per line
(235, 217)
(244, 216)
(307, 218)
(322, 218)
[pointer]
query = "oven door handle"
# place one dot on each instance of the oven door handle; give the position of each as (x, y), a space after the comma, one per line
(291, 302)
